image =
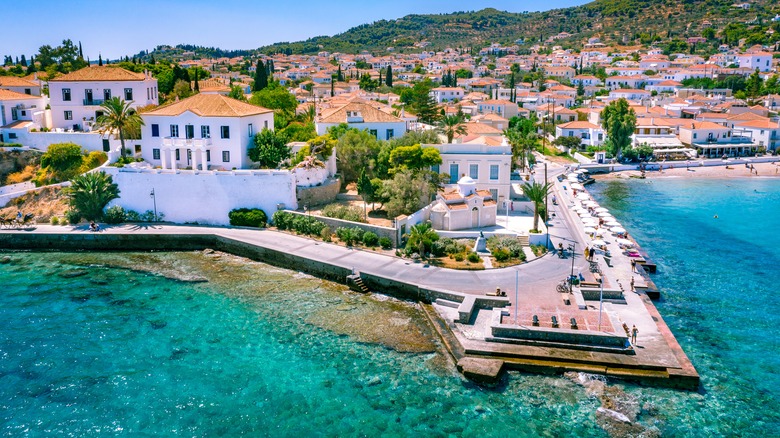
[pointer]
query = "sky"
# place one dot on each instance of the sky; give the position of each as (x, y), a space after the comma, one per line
(116, 28)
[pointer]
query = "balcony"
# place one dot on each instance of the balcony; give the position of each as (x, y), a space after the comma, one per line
(93, 102)
(190, 143)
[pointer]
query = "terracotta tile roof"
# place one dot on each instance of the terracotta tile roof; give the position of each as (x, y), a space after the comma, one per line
(13, 81)
(17, 124)
(746, 116)
(102, 73)
(481, 129)
(368, 112)
(481, 139)
(706, 125)
(212, 84)
(578, 125)
(485, 193)
(209, 105)
(489, 202)
(763, 124)
(13, 95)
(457, 206)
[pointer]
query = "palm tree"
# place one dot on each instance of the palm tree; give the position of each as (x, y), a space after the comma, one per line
(537, 193)
(119, 119)
(421, 237)
(90, 193)
(451, 126)
(522, 145)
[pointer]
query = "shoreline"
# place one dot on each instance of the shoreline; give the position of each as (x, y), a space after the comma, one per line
(769, 170)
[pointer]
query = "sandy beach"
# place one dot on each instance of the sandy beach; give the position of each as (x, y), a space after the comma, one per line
(733, 170)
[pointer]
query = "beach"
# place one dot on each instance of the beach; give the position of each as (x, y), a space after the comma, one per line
(698, 171)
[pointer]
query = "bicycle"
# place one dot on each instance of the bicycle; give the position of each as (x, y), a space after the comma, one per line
(563, 287)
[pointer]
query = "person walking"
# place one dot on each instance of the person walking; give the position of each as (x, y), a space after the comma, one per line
(633, 265)
(592, 253)
(632, 283)
(634, 332)
(587, 253)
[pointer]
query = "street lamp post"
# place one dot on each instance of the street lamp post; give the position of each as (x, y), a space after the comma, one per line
(572, 246)
(601, 299)
(154, 201)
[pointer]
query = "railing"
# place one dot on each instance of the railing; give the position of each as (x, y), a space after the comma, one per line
(93, 102)
(186, 142)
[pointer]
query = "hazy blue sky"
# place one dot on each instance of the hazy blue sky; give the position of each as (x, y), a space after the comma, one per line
(123, 27)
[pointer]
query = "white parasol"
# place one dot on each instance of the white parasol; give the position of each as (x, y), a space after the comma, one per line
(624, 242)
(583, 196)
(601, 210)
(618, 230)
(589, 230)
(612, 224)
(605, 214)
(577, 186)
(598, 242)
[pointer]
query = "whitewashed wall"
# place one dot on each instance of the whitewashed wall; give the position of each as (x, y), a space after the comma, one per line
(203, 197)
(87, 140)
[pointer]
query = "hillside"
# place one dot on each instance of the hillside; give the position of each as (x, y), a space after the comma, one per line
(611, 20)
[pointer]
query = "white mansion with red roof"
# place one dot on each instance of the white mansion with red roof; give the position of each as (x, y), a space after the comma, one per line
(75, 98)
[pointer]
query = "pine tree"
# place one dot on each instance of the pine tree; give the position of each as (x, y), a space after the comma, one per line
(23, 61)
(389, 78)
(197, 87)
(339, 75)
(380, 77)
(100, 59)
(81, 52)
(152, 61)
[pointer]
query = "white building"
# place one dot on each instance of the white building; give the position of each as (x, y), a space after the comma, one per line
(17, 109)
(488, 166)
(463, 206)
(758, 60)
(75, 98)
(764, 133)
(205, 131)
(362, 116)
(447, 94)
(19, 85)
(591, 135)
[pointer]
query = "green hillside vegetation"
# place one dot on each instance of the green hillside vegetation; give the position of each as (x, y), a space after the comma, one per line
(611, 20)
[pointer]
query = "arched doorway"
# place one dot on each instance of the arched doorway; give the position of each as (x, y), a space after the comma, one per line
(475, 217)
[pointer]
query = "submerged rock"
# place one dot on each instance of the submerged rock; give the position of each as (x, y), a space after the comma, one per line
(5, 260)
(72, 273)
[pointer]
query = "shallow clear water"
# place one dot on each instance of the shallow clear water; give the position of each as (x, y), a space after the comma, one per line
(270, 352)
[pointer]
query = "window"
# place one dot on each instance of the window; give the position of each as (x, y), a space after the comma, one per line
(68, 115)
(106, 145)
(225, 156)
(174, 131)
(494, 194)
(225, 131)
(106, 94)
(601, 137)
(137, 149)
(27, 91)
(66, 94)
(373, 132)
(474, 171)
(208, 155)
(155, 130)
(148, 93)
(189, 131)
(435, 168)
(453, 173)
(694, 135)
(251, 130)
(178, 155)
(571, 133)
(494, 171)
(390, 134)
(128, 94)
(205, 131)
(265, 124)
(156, 154)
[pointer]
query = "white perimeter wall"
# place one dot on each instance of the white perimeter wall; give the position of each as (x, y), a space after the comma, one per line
(203, 197)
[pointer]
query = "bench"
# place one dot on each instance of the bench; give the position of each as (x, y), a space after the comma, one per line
(573, 324)
(466, 308)
(555, 322)
(536, 321)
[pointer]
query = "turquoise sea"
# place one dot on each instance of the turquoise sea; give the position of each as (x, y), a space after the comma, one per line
(202, 344)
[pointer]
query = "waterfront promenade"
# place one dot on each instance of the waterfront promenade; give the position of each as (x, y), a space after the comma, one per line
(655, 356)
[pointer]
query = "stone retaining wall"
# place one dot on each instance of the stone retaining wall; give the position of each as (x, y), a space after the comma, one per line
(333, 223)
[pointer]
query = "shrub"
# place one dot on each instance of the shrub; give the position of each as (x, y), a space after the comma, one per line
(326, 234)
(385, 243)
(114, 215)
(23, 175)
(473, 257)
(248, 217)
(90, 193)
(370, 239)
(513, 247)
(501, 254)
(148, 216)
(132, 216)
(344, 212)
(282, 220)
(459, 257)
(349, 236)
(447, 246)
(55, 220)
(92, 160)
(73, 216)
